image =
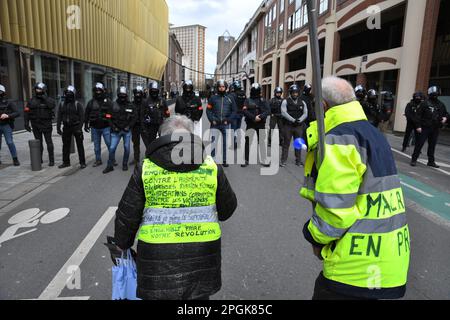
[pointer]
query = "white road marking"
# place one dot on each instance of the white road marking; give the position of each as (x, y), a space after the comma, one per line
(58, 283)
(417, 190)
(423, 162)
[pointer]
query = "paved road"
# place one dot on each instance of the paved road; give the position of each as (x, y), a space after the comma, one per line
(264, 254)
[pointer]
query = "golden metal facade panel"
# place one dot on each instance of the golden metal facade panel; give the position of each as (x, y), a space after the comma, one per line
(128, 35)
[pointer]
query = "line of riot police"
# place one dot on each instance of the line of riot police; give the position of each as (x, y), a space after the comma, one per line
(121, 119)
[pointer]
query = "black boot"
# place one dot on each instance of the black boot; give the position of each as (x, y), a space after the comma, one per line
(108, 170)
(64, 165)
(15, 161)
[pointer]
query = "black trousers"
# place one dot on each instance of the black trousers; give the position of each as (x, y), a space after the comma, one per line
(430, 134)
(256, 128)
(149, 135)
(136, 139)
(291, 131)
(276, 121)
(410, 130)
(322, 292)
(41, 134)
(76, 132)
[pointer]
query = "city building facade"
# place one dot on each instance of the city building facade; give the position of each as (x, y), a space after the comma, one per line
(192, 40)
(173, 75)
(225, 44)
(394, 45)
(80, 43)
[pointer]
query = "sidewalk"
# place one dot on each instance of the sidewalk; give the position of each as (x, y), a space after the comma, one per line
(19, 182)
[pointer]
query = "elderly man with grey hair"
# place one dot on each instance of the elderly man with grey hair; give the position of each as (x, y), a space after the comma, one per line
(175, 209)
(358, 227)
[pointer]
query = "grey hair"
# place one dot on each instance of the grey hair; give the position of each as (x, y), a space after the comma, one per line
(177, 123)
(337, 91)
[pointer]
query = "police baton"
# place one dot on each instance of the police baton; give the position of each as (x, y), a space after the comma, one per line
(317, 78)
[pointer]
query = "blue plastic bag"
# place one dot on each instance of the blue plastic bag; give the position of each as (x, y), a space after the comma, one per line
(124, 278)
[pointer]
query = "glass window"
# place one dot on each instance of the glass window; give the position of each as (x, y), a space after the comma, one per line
(50, 75)
(10, 71)
(281, 6)
(323, 6)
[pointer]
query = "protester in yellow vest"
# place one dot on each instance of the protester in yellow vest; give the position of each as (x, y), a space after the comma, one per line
(359, 226)
(174, 204)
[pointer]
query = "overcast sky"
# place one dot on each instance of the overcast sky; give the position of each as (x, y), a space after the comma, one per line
(217, 16)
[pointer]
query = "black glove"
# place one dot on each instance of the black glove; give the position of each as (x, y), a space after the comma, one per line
(115, 251)
(58, 130)
(28, 128)
(87, 129)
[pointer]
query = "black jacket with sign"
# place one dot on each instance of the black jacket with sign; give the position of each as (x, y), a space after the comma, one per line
(153, 112)
(9, 109)
(431, 113)
(190, 106)
(98, 113)
(172, 271)
(70, 114)
(254, 107)
(123, 116)
(40, 111)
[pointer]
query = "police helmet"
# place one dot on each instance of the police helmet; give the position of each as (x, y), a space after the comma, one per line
(434, 91)
(294, 89)
(418, 96)
(307, 89)
(372, 94)
(188, 86)
(122, 91)
(222, 83)
(2, 89)
(255, 90)
(237, 85)
(40, 86)
(278, 90)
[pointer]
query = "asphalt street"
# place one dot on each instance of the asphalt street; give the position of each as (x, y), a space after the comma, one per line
(264, 253)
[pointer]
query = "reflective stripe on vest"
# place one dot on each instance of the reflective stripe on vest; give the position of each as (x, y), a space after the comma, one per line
(180, 207)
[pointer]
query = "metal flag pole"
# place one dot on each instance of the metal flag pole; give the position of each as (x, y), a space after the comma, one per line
(317, 78)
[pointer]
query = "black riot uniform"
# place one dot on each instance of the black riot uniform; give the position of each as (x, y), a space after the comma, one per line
(71, 116)
(255, 110)
(295, 112)
(152, 115)
(276, 118)
(189, 104)
(411, 119)
(98, 112)
(40, 112)
(308, 99)
(431, 116)
(138, 102)
(361, 96)
(372, 109)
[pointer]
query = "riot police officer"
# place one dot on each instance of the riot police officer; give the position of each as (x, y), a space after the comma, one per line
(372, 109)
(361, 96)
(138, 101)
(190, 105)
(275, 113)
(123, 118)
(221, 108)
(71, 115)
(411, 119)
(431, 116)
(256, 110)
(40, 112)
(295, 112)
(239, 97)
(98, 118)
(387, 108)
(308, 98)
(8, 113)
(153, 113)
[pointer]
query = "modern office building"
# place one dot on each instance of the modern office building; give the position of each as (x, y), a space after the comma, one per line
(193, 40)
(80, 42)
(396, 45)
